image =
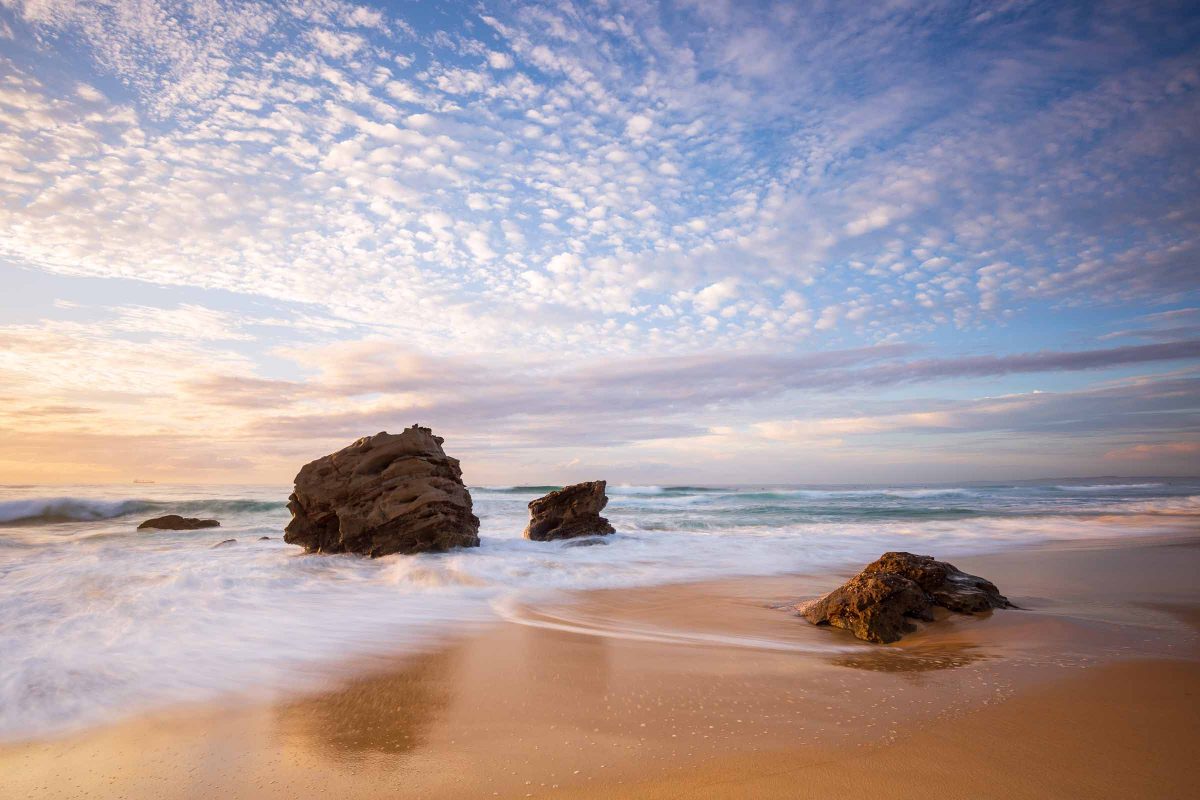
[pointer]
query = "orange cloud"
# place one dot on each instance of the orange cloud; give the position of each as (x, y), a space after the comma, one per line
(1146, 452)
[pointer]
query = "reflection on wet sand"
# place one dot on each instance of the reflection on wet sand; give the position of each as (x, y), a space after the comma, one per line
(993, 705)
(387, 713)
(927, 659)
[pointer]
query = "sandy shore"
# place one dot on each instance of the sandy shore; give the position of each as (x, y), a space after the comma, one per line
(711, 690)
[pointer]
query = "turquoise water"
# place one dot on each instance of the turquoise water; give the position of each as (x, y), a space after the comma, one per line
(99, 620)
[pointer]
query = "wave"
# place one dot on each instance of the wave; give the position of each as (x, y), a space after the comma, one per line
(225, 506)
(1105, 487)
(612, 489)
(51, 510)
(836, 494)
(567, 620)
(46, 510)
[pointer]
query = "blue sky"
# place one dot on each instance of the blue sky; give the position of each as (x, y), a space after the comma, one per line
(665, 242)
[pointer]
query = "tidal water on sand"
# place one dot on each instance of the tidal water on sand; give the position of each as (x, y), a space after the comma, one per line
(99, 620)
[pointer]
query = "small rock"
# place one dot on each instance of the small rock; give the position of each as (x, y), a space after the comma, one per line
(879, 603)
(568, 513)
(174, 522)
(222, 544)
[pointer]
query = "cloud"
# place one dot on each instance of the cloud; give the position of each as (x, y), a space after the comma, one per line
(1185, 453)
(713, 296)
(335, 44)
(501, 397)
(638, 125)
(1144, 406)
(668, 210)
(1157, 452)
(500, 60)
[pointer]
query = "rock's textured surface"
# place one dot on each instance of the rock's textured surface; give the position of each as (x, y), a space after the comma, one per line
(174, 522)
(946, 585)
(384, 494)
(569, 512)
(879, 603)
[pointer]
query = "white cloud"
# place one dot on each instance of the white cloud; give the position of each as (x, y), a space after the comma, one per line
(638, 125)
(477, 243)
(89, 93)
(335, 44)
(500, 60)
(333, 156)
(563, 263)
(715, 295)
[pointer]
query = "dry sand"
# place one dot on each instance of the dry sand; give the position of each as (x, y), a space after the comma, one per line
(712, 690)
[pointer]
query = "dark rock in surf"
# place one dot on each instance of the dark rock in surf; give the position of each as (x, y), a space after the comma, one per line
(568, 513)
(264, 538)
(225, 543)
(880, 603)
(174, 522)
(384, 494)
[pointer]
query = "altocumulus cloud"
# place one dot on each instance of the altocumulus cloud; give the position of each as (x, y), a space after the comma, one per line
(522, 219)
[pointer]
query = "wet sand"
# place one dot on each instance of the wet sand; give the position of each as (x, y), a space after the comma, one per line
(715, 690)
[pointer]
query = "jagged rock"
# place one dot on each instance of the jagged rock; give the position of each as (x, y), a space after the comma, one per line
(568, 513)
(225, 543)
(947, 586)
(174, 522)
(384, 494)
(879, 603)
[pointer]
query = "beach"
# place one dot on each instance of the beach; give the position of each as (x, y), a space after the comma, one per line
(716, 689)
(627, 399)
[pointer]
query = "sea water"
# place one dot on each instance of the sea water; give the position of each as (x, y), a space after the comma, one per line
(99, 620)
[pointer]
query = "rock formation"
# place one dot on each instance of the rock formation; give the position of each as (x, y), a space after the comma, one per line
(569, 512)
(387, 493)
(879, 603)
(225, 543)
(174, 522)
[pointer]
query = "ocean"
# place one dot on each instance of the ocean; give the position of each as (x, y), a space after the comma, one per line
(99, 620)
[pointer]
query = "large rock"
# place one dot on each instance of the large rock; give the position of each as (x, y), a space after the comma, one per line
(569, 512)
(174, 522)
(387, 493)
(879, 603)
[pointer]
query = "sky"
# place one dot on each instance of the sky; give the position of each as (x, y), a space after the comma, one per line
(677, 242)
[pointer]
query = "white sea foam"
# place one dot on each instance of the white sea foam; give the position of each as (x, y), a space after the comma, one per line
(98, 620)
(1105, 487)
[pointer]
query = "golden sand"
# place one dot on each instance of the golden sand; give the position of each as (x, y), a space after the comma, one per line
(712, 690)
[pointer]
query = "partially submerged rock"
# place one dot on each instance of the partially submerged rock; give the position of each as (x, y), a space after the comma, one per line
(174, 522)
(879, 603)
(224, 543)
(387, 493)
(568, 513)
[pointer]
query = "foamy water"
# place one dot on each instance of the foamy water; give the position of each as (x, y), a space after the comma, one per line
(99, 620)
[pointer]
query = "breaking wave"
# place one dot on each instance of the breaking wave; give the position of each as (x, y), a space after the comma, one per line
(46, 510)
(52, 510)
